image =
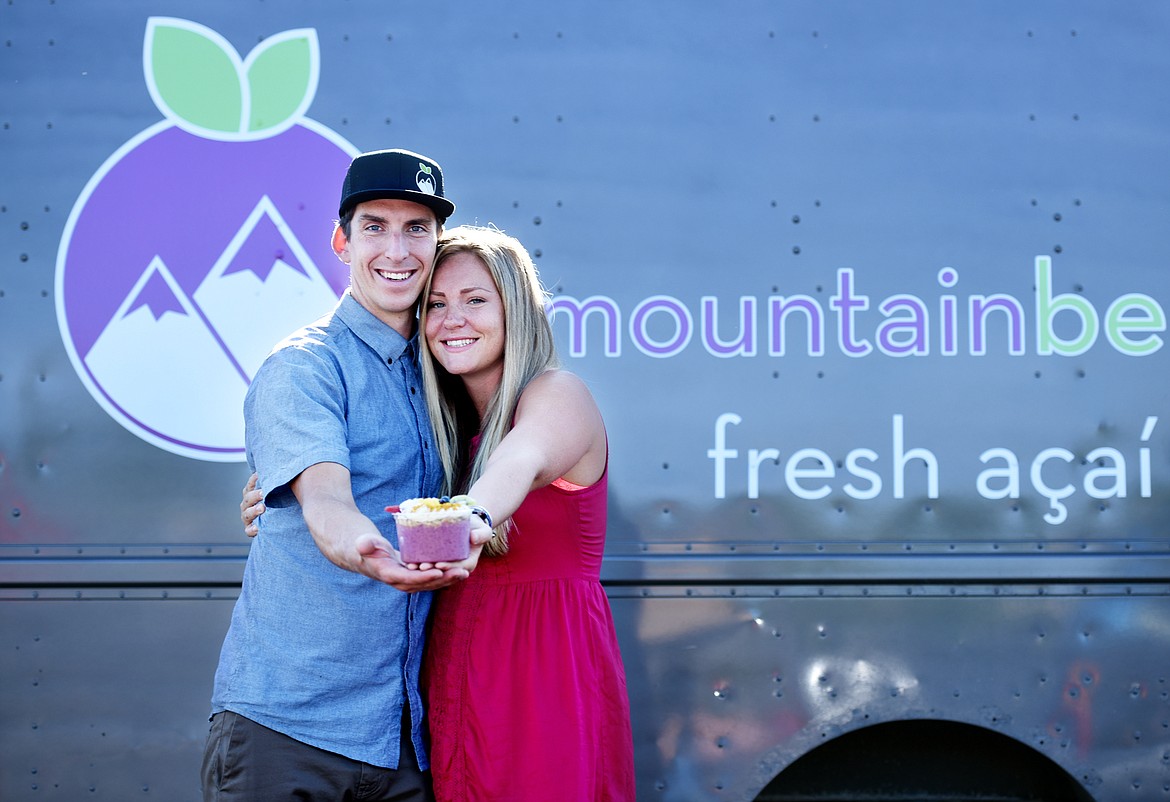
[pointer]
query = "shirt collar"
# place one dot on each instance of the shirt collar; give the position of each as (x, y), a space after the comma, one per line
(385, 341)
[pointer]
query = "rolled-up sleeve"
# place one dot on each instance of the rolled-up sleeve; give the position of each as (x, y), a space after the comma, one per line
(295, 416)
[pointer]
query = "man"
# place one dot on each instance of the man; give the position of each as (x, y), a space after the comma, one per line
(316, 695)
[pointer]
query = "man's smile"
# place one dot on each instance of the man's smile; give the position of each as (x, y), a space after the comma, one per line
(395, 275)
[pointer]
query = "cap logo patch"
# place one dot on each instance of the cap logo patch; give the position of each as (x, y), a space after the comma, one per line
(424, 180)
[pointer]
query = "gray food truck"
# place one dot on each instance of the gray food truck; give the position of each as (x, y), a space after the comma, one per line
(872, 295)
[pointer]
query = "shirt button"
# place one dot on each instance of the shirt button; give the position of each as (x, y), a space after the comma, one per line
(413, 391)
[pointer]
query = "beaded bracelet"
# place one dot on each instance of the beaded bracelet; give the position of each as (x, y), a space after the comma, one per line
(483, 515)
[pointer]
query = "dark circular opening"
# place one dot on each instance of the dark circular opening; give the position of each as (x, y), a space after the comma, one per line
(942, 761)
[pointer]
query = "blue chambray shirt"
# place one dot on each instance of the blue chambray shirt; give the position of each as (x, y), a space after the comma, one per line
(321, 654)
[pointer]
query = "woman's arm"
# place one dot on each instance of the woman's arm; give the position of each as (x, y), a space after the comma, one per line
(558, 432)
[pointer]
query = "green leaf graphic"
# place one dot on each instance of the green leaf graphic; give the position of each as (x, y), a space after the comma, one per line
(194, 76)
(198, 80)
(282, 77)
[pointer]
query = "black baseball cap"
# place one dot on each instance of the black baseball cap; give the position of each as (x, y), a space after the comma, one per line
(398, 174)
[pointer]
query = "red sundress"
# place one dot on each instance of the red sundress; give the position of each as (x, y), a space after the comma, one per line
(526, 693)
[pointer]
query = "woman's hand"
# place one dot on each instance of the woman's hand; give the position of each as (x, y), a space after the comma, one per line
(251, 506)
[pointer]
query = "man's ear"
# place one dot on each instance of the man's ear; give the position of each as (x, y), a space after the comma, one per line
(340, 244)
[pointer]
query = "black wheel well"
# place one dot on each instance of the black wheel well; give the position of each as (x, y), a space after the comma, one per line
(924, 758)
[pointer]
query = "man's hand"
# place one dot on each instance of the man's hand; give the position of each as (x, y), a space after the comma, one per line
(377, 559)
(351, 541)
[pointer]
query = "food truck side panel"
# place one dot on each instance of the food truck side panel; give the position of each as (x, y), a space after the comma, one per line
(872, 298)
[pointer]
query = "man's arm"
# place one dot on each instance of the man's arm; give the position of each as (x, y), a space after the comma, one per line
(350, 540)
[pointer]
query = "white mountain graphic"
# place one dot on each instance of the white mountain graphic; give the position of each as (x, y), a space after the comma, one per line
(180, 366)
(160, 363)
(263, 287)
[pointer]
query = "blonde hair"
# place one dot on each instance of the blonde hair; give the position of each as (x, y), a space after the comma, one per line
(529, 350)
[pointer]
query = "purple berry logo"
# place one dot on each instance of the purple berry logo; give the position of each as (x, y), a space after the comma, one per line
(204, 240)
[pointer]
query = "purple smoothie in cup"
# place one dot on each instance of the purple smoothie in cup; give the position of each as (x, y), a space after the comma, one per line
(431, 530)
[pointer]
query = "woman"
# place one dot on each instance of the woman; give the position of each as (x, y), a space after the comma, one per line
(525, 686)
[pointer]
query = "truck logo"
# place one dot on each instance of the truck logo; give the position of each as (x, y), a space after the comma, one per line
(204, 239)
